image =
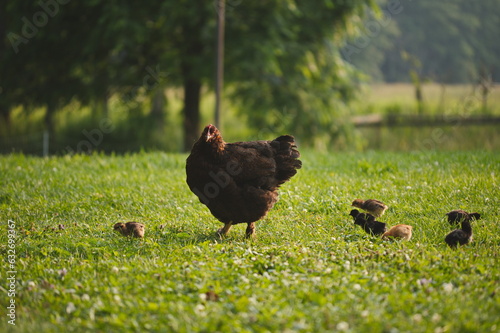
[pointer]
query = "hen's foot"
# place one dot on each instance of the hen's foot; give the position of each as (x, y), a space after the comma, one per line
(250, 232)
(224, 230)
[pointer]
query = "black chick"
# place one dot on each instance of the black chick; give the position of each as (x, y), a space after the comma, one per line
(457, 216)
(460, 236)
(368, 223)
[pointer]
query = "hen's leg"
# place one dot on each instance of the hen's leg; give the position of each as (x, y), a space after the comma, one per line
(250, 230)
(225, 229)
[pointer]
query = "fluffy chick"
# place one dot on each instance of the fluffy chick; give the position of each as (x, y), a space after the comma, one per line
(460, 236)
(372, 206)
(368, 223)
(458, 215)
(135, 229)
(401, 231)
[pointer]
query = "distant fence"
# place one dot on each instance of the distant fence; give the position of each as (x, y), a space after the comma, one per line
(399, 132)
(395, 120)
(33, 143)
(393, 131)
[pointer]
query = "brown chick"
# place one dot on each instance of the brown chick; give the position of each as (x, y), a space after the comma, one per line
(401, 231)
(372, 206)
(135, 229)
(458, 215)
(211, 296)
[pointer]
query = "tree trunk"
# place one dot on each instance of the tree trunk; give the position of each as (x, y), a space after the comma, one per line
(191, 49)
(5, 113)
(157, 113)
(485, 83)
(100, 107)
(192, 92)
(49, 125)
(420, 99)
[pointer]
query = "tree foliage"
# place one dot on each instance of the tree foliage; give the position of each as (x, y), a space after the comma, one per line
(282, 59)
(455, 41)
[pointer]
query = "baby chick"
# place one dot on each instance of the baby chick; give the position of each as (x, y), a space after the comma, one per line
(460, 236)
(368, 223)
(457, 216)
(372, 206)
(135, 229)
(402, 231)
(211, 296)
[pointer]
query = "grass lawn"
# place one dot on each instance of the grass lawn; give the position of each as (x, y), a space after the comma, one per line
(310, 269)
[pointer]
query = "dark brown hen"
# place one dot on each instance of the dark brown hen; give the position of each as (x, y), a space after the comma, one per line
(238, 181)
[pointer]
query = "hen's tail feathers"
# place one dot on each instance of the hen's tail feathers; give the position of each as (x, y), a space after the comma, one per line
(286, 158)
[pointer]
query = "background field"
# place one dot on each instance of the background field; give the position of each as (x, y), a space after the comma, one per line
(310, 268)
(136, 131)
(447, 99)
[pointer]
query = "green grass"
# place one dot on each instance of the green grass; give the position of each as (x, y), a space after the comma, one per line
(310, 269)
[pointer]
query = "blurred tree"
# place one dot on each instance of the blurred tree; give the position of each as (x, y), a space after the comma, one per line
(455, 41)
(432, 32)
(41, 52)
(283, 61)
(485, 45)
(283, 58)
(368, 43)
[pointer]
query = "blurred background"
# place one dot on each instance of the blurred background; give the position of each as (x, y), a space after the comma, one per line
(77, 77)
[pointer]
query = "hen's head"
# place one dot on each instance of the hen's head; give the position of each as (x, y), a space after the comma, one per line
(211, 136)
(210, 133)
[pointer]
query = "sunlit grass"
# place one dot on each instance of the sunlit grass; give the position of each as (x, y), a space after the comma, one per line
(310, 268)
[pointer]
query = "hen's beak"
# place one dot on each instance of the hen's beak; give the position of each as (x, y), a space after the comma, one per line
(210, 132)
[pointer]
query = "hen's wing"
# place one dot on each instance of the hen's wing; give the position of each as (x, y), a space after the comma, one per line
(264, 164)
(239, 184)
